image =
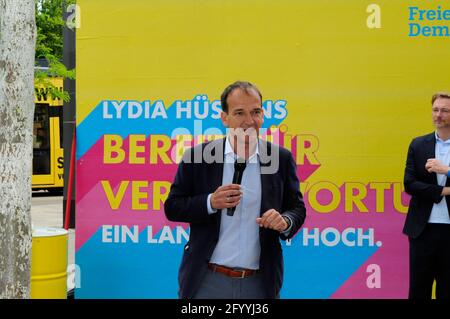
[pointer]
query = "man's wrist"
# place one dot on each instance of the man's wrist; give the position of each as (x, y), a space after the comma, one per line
(211, 210)
(288, 222)
(445, 191)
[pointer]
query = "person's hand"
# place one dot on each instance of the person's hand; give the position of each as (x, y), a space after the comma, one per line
(272, 220)
(445, 191)
(226, 196)
(436, 166)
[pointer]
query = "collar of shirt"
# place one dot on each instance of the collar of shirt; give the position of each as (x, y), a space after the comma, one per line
(229, 152)
(440, 139)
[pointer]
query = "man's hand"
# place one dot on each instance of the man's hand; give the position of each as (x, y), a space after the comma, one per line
(445, 191)
(226, 196)
(436, 166)
(272, 220)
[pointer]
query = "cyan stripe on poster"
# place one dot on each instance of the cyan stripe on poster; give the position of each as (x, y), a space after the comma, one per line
(142, 270)
(318, 271)
(94, 126)
(128, 270)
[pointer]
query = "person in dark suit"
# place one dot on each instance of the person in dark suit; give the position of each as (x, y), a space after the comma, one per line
(428, 222)
(236, 254)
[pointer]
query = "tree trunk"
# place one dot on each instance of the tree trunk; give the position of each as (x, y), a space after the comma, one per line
(17, 45)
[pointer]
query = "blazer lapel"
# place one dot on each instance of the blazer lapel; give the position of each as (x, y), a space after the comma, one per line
(217, 169)
(430, 146)
(264, 148)
(430, 151)
(216, 173)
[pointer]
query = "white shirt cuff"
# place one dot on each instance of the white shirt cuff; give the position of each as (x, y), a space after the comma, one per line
(286, 232)
(208, 203)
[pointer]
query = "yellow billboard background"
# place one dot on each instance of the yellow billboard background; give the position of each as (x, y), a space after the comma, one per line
(363, 92)
(340, 77)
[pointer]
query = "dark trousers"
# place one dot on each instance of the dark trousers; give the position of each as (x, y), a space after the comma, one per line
(218, 286)
(429, 260)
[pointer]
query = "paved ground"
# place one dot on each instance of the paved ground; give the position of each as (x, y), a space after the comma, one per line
(47, 211)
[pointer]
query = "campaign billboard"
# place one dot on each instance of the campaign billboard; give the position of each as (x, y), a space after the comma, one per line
(346, 85)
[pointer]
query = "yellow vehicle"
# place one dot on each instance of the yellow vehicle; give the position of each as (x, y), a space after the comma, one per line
(48, 168)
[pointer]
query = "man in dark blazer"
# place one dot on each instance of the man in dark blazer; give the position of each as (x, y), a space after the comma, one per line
(428, 222)
(234, 248)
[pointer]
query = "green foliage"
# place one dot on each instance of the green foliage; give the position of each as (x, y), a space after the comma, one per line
(49, 44)
(49, 23)
(56, 68)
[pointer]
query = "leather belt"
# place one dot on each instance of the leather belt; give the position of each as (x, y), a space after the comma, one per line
(230, 272)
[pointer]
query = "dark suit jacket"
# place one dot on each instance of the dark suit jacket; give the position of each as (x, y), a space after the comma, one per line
(421, 185)
(187, 203)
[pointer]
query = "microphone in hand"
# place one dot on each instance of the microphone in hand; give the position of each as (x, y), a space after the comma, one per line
(239, 167)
